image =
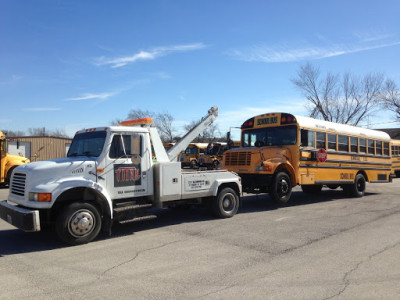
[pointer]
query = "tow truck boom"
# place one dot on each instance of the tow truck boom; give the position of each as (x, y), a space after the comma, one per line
(191, 135)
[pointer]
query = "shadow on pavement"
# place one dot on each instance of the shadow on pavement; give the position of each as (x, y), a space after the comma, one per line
(15, 241)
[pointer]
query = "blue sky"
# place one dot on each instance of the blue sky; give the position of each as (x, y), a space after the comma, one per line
(79, 64)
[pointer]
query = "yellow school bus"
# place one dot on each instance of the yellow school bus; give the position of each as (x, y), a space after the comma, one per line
(168, 146)
(190, 158)
(8, 162)
(281, 150)
(396, 158)
(233, 144)
(212, 156)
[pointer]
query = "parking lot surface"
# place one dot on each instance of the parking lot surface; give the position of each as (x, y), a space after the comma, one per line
(323, 246)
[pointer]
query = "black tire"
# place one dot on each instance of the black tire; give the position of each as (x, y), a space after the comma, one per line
(8, 177)
(281, 188)
(357, 189)
(333, 186)
(215, 165)
(311, 189)
(78, 223)
(193, 164)
(225, 204)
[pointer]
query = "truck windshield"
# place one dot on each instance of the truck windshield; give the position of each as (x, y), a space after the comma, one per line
(271, 136)
(87, 144)
(213, 150)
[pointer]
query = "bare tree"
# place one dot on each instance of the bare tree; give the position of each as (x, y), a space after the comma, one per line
(391, 97)
(339, 98)
(58, 133)
(12, 133)
(140, 114)
(42, 131)
(163, 122)
(209, 135)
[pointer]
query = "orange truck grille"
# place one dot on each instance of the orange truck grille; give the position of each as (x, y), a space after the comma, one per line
(240, 158)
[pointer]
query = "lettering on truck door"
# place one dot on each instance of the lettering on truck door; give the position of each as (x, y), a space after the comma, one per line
(126, 170)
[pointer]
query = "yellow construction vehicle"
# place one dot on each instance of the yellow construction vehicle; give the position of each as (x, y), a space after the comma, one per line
(7, 161)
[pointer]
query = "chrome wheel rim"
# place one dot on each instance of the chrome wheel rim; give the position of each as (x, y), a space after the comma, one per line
(81, 223)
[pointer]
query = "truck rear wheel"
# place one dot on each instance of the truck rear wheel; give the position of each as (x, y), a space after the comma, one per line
(225, 204)
(193, 164)
(357, 189)
(281, 188)
(79, 223)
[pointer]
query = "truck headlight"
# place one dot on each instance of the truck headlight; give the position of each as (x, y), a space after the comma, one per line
(264, 168)
(40, 197)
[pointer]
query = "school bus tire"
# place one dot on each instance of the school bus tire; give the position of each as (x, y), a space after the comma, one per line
(193, 164)
(8, 176)
(311, 189)
(333, 186)
(357, 189)
(280, 189)
(215, 165)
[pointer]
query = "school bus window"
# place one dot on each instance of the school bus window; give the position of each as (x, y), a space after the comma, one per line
(378, 147)
(321, 140)
(343, 143)
(307, 138)
(385, 148)
(286, 135)
(363, 145)
(353, 144)
(331, 141)
(371, 147)
(395, 150)
(274, 136)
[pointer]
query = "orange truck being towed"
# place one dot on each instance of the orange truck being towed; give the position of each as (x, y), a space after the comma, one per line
(8, 162)
(281, 150)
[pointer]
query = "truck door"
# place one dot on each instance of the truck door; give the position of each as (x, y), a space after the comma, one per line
(128, 166)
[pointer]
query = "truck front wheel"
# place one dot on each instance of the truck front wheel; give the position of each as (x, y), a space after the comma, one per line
(225, 204)
(281, 188)
(78, 223)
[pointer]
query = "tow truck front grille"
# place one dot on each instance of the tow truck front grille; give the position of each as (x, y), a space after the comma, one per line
(238, 158)
(17, 186)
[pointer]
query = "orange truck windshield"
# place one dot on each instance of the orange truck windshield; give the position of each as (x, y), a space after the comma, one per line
(270, 136)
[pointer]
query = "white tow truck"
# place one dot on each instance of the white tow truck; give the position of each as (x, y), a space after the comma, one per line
(110, 175)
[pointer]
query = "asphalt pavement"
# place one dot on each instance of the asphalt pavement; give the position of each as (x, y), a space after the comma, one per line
(324, 246)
